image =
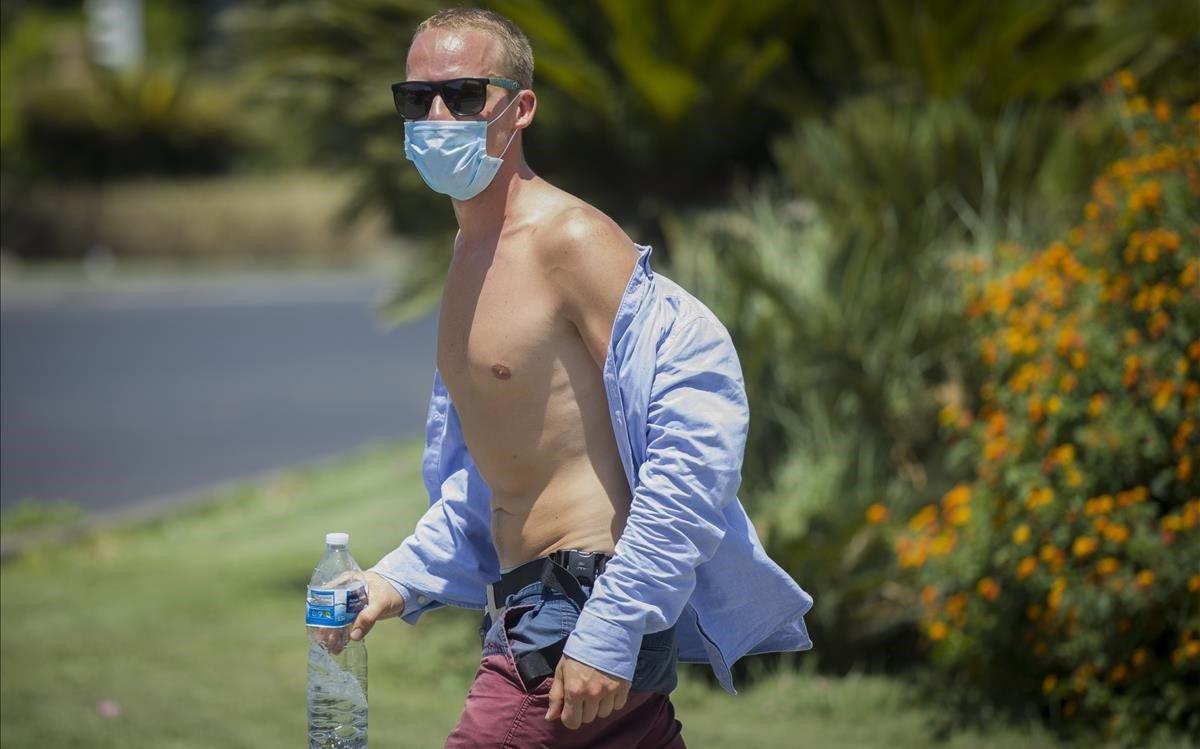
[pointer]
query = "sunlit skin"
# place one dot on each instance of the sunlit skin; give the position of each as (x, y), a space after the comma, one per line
(527, 310)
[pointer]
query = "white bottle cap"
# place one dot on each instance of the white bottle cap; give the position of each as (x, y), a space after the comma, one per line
(337, 539)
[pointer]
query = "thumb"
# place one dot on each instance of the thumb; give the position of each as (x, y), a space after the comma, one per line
(556, 694)
(365, 621)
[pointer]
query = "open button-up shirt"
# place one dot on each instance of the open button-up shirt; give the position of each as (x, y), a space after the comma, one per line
(689, 553)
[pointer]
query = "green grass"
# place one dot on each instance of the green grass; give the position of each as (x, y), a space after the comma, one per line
(193, 625)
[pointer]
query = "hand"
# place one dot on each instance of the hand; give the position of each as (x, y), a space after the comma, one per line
(383, 602)
(580, 693)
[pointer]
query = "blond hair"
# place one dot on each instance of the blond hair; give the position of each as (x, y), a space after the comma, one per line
(518, 55)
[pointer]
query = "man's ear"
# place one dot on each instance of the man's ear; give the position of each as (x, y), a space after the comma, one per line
(526, 108)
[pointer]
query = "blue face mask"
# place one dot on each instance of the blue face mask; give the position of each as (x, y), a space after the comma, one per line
(451, 155)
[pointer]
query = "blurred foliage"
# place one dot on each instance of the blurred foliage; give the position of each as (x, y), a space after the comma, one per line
(852, 281)
(647, 107)
(66, 118)
(1065, 572)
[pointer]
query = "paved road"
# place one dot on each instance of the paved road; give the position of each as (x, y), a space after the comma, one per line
(112, 394)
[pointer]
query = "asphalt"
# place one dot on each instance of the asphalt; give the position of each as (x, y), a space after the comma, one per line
(121, 395)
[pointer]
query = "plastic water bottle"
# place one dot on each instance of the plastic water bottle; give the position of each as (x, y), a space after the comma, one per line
(337, 665)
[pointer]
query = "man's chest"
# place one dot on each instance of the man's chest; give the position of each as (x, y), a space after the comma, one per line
(499, 332)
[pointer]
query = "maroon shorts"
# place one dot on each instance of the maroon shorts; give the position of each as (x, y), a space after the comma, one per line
(501, 712)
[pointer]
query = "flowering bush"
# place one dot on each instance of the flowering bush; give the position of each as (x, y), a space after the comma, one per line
(1066, 571)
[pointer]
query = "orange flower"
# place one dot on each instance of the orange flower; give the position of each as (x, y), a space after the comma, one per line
(1139, 657)
(988, 588)
(1194, 583)
(1084, 545)
(1026, 568)
(1107, 565)
(1096, 405)
(1118, 673)
(937, 631)
(1145, 578)
(877, 514)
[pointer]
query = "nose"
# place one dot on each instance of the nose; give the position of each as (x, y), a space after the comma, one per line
(438, 109)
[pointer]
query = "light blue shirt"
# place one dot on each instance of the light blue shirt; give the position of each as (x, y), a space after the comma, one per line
(689, 553)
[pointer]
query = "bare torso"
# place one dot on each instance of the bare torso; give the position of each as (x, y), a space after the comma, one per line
(530, 397)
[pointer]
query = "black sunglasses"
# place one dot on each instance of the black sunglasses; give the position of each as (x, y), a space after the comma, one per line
(463, 96)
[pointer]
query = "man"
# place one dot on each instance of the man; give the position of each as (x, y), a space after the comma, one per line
(583, 476)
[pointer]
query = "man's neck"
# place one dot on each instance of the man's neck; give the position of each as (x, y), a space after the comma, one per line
(482, 218)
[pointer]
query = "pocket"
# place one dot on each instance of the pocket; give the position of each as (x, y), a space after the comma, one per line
(657, 663)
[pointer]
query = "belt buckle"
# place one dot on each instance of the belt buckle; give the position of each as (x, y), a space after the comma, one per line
(582, 565)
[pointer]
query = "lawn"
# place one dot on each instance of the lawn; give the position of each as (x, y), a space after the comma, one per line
(190, 629)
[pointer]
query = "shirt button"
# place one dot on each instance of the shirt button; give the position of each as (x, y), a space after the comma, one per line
(422, 600)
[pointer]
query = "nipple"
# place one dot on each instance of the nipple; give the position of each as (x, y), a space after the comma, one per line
(501, 371)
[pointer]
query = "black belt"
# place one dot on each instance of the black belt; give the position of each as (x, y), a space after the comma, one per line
(563, 570)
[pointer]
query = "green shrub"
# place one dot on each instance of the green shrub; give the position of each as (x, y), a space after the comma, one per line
(1065, 571)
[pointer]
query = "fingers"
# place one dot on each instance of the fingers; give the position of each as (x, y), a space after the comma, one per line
(620, 697)
(556, 695)
(606, 706)
(363, 623)
(571, 715)
(590, 707)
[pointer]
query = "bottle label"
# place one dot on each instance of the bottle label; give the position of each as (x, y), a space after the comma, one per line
(334, 607)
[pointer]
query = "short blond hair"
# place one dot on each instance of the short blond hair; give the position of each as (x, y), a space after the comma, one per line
(518, 55)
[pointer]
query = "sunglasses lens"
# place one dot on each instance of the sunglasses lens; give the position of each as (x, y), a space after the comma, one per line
(465, 96)
(413, 100)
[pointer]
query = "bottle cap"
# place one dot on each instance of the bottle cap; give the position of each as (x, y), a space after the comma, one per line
(337, 539)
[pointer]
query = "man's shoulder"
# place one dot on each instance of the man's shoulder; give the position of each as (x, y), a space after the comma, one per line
(572, 225)
(579, 246)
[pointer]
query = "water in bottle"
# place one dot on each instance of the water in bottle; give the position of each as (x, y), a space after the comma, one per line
(337, 665)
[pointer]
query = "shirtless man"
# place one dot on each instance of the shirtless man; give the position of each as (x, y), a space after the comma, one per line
(534, 286)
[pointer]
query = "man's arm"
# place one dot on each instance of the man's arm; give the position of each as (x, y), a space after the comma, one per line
(696, 429)
(449, 557)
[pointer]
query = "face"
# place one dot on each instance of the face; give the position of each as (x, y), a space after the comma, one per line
(441, 54)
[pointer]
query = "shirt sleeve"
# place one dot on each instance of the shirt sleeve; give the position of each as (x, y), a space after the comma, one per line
(696, 433)
(449, 557)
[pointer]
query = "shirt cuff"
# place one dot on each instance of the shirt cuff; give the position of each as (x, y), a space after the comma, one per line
(415, 602)
(603, 645)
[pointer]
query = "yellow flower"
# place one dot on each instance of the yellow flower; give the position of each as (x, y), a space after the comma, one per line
(958, 496)
(1084, 545)
(1139, 657)
(1021, 534)
(959, 516)
(1026, 568)
(1116, 532)
(1145, 578)
(1053, 405)
(1065, 454)
(877, 514)
(1096, 405)
(1049, 683)
(1194, 583)
(1079, 359)
(937, 631)
(1074, 477)
(1108, 565)
(942, 544)
(1126, 81)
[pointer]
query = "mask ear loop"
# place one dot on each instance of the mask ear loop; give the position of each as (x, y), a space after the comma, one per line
(514, 133)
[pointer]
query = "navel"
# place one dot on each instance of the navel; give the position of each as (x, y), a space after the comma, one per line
(501, 371)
